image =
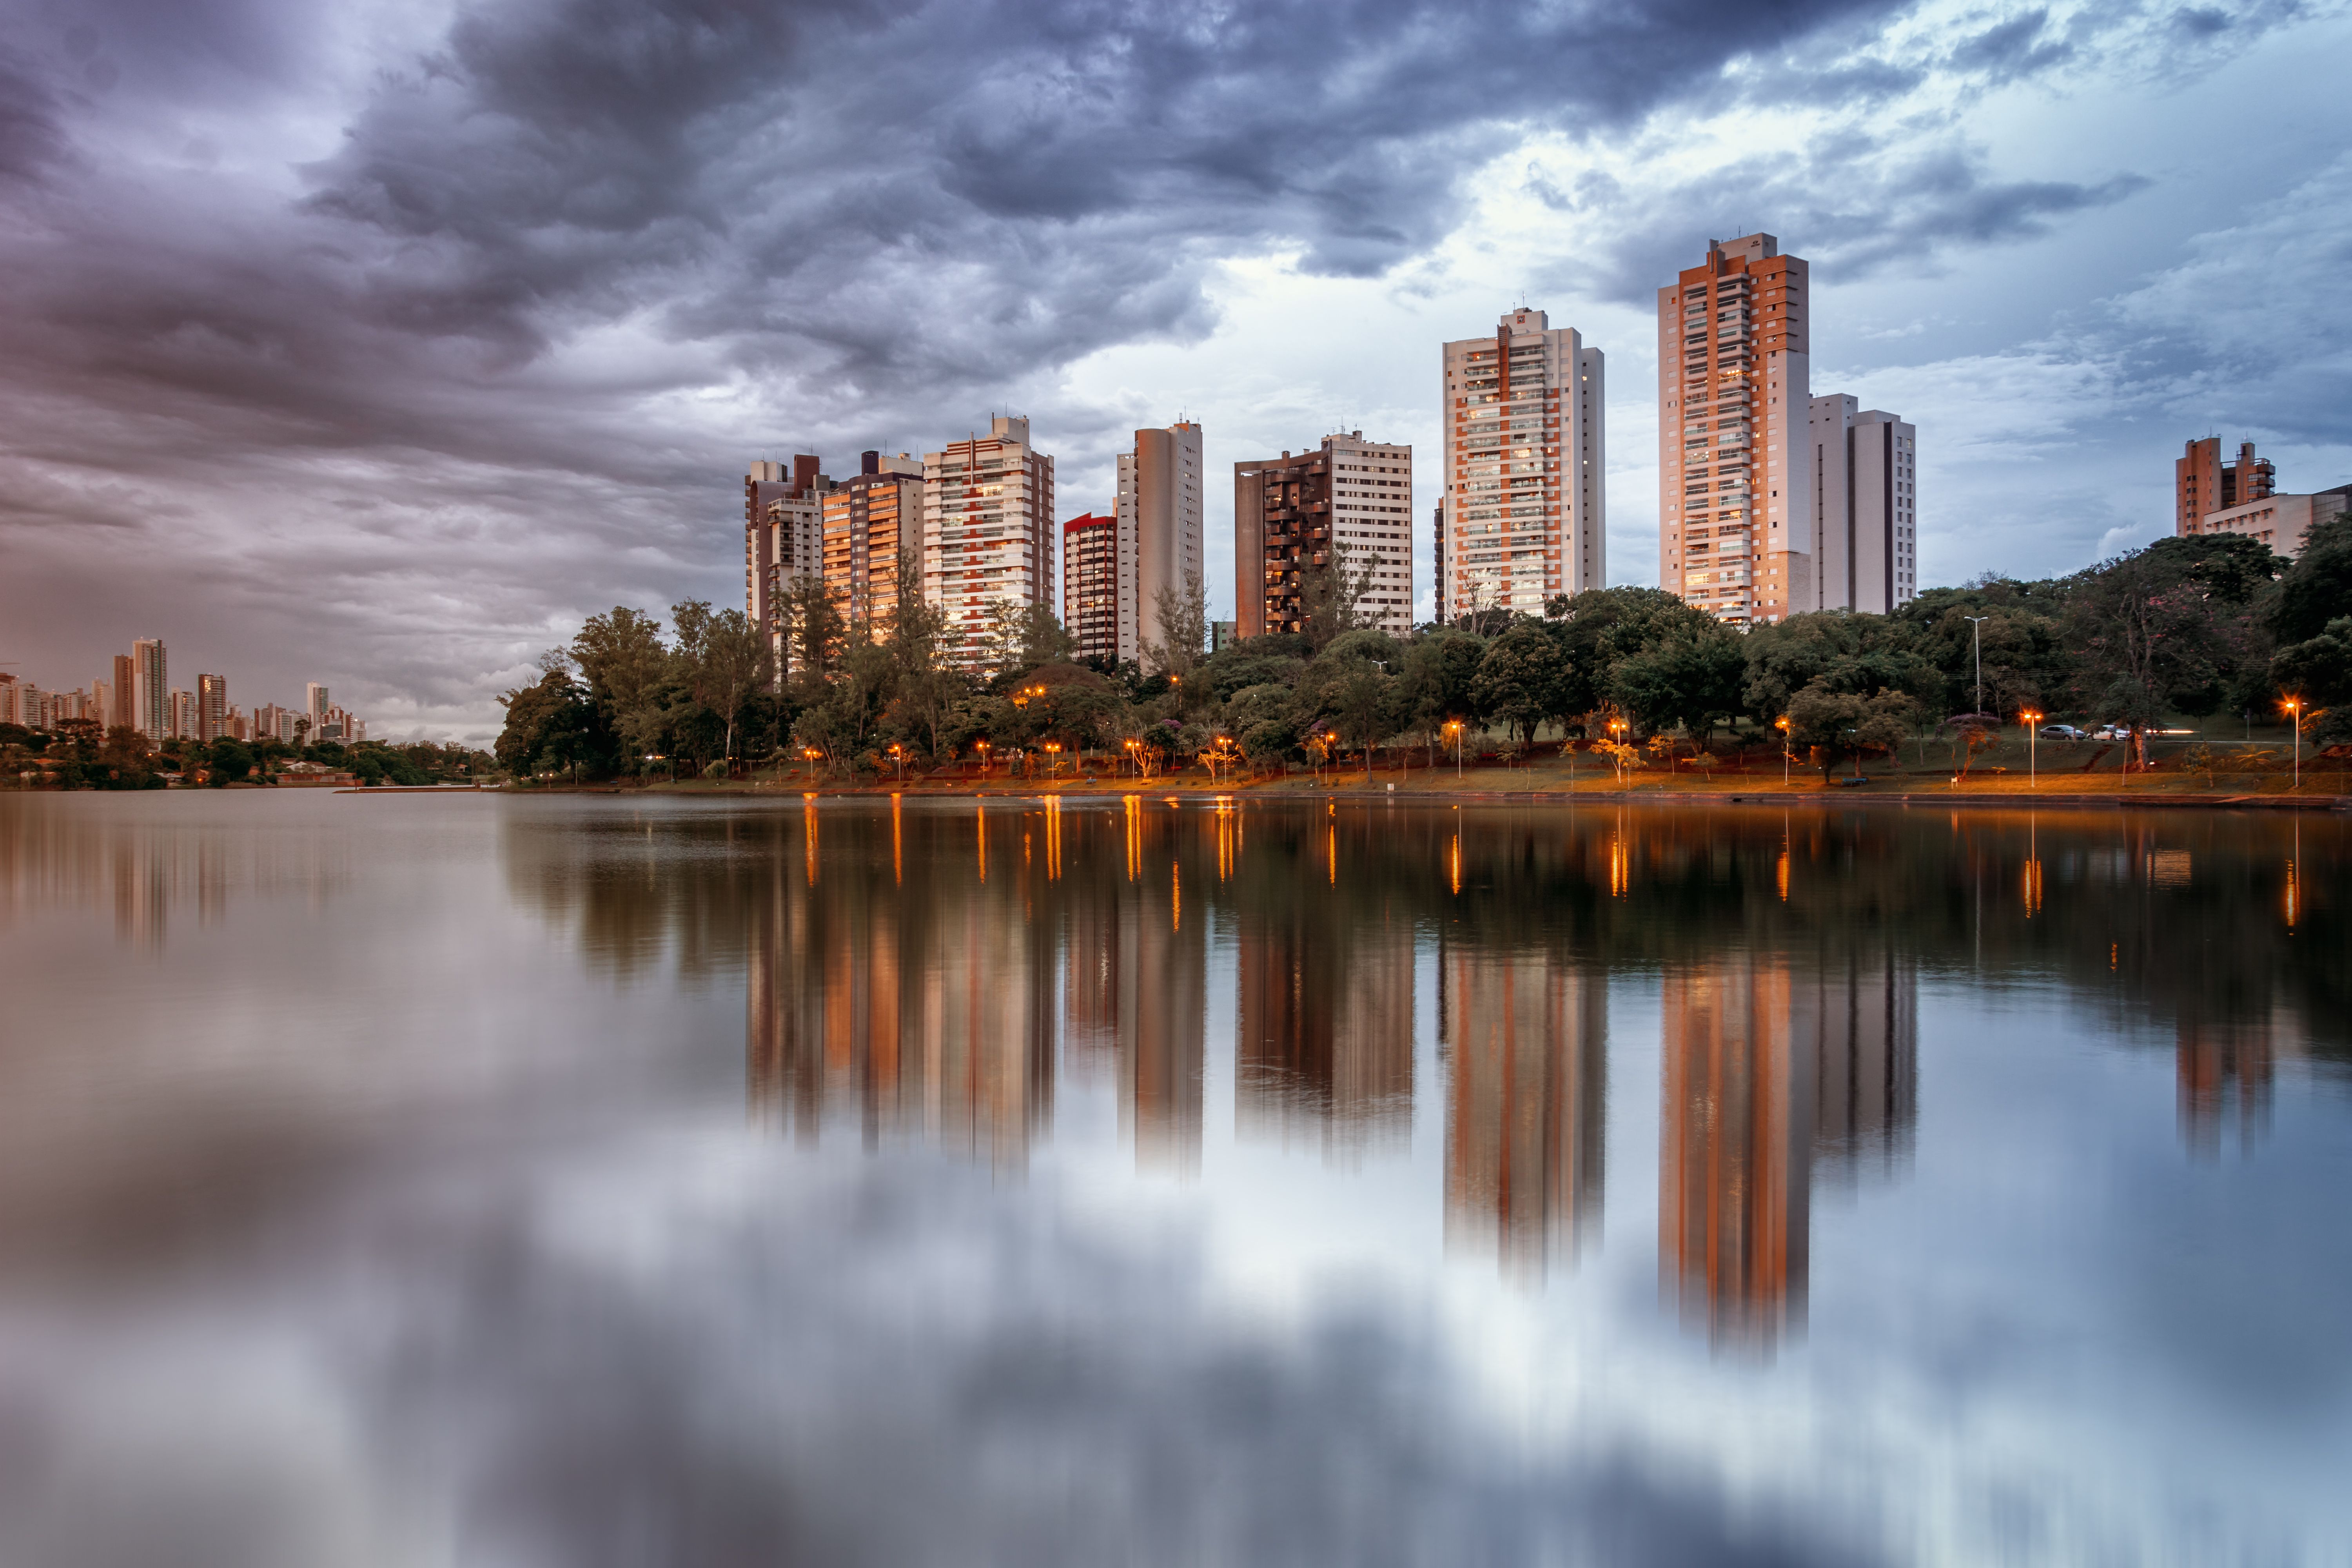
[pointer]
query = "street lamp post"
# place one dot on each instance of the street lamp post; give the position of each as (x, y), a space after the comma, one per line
(1781, 724)
(2293, 706)
(1977, 634)
(1454, 726)
(2033, 748)
(899, 760)
(982, 747)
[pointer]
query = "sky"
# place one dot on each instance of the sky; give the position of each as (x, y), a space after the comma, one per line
(381, 343)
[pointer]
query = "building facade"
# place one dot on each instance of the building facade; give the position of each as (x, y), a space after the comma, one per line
(1864, 485)
(151, 690)
(122, 694)
(2202, 482)
(212, 708)
(783, 532)
(1734, 503)
(987, 532)
(1346, 504)
(1090, 584)
(1159, 513)
(1282, 534)
(1524, 516)
(867, 521)
(2280, 521)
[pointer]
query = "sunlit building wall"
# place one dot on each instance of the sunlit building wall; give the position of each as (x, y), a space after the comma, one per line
(152, 690)
(1734, 397)
(988, 532)
(1159, 512)
(1524, 515)
(1526, 1052)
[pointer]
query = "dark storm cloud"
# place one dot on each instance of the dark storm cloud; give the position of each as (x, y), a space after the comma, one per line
(541, 282)
(1849, 206)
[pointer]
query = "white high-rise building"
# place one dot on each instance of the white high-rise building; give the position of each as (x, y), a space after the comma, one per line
(315, 704)
(1159, 514)
(1372, 524)
(987, 531)
(1864, 486)
(151, 690)
(1525, 513)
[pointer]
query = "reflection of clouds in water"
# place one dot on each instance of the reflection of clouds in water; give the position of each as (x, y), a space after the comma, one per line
(778, 1360)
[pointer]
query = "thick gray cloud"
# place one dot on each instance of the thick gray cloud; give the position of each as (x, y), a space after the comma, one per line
(378, 347)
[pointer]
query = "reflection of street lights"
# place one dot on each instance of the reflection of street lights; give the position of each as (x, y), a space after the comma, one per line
(2033, 747)
(1781, 724)
(2293, 706)
(1454, 728)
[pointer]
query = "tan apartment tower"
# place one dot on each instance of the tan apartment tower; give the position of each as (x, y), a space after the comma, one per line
(783, 534)
(987, 532)
(867, 521)
(1159, 512)
(1734, 497)
(1524, 517)
(2202, 482)
(1865, 496)
(212, 708)
(1090, 586)
(151, 689)
(1289, 514)
(121, 707)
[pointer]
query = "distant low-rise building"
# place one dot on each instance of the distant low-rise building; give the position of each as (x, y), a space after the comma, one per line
(2280, 521)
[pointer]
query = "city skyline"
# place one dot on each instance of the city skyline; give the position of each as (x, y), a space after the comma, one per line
(418, 415)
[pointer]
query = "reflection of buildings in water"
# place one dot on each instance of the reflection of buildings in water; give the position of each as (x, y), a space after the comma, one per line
(2224, 1072)
(1135, 987)
(1526, 1043)
(176, 858)
(924, 1011)
(1768, 1068)
(1323, 1037)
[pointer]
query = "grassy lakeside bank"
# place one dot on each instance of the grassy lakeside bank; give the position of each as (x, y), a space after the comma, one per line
(2325, 783)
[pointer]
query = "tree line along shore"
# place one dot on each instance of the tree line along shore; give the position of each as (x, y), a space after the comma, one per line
(2210, 656)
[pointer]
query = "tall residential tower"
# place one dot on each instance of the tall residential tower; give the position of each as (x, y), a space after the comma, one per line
(1289, 513)
(1525, 515)
(1159, 513)
(1735, 400)
(1865, 484)
(987, 531)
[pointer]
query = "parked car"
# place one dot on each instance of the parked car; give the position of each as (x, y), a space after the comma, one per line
(2061, 732)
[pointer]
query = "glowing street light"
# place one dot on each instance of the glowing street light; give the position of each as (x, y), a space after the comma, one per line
(1054, 758)
(2293, 706)
(1781, 724)
(981, 746)
(899, 756)
(1454, 728)
(2033, 747)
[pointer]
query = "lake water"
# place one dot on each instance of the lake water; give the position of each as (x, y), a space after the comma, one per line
(418, 1179)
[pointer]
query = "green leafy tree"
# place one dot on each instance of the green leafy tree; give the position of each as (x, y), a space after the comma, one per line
(1838, 724)
(1182, 616)
(1690, 678)
(1331, 592)
(815, 629)
(725, 658)
(1522, 677)
(229, 761)
(551, 726)
(2317, 672)
(2317, 589)
(627, 668)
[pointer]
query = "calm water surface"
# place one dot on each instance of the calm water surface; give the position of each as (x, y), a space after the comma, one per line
(466, 1179)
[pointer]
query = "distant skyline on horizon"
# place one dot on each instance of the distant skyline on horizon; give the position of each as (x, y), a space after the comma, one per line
(408, 336)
